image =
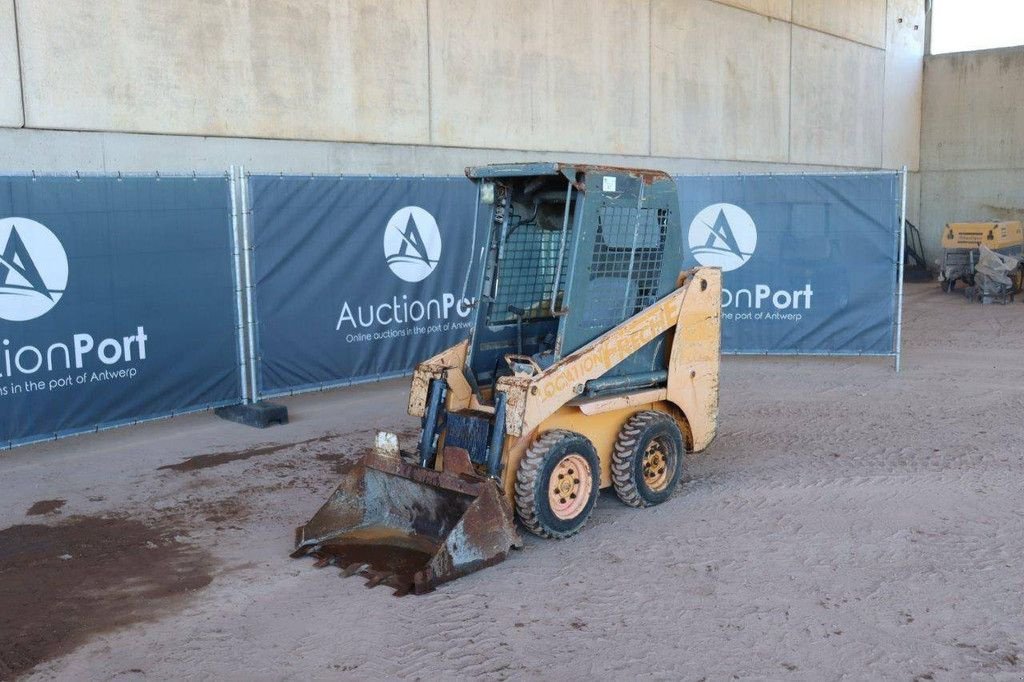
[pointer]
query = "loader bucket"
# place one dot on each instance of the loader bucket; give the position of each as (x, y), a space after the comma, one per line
(410, 527)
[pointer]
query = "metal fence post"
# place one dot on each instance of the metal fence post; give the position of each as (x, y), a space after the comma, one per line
(239, 287)
(899, 271)
(247, 246)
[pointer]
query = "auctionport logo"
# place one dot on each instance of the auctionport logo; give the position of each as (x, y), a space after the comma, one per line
(723, 235)
(412, 244)
(33, 269)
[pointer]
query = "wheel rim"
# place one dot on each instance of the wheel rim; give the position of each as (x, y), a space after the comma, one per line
(569, 486)
(655, 464)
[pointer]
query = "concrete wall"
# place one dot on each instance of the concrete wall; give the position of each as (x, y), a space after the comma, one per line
(315, 69)
(836, 119)
(10, 81)
(859, 20)
(571, 75)
(904, 81)
(726, 97)
(972, 139)
(430, 85)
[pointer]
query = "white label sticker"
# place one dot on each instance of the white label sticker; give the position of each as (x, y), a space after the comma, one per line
(608, 183)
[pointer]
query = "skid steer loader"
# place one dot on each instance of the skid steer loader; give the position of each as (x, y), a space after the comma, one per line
(593, 363)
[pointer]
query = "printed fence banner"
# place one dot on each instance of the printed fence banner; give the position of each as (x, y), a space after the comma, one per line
(810, 261)
(357, 278)
(117, 302)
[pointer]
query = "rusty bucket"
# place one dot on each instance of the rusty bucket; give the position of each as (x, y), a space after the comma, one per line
(409, 527)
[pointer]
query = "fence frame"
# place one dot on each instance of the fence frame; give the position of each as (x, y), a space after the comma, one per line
(258, 394)
(896, 351)
(7, 444)
(247, 317)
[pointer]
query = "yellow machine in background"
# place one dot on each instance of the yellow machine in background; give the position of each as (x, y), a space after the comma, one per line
(961, 244)
(994, 235)
(593, 363)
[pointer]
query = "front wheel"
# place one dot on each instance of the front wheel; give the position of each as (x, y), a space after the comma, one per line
(557, 484)
(648, 459)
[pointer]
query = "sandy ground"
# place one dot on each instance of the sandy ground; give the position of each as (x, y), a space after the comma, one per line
(848, 523)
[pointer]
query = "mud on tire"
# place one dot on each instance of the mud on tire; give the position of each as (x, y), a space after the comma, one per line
(647, 460)
(557, 484)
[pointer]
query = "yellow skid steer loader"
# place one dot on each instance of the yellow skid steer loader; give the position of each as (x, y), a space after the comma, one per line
(593, 363)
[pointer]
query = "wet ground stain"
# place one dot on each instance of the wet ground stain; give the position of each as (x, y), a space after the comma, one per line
(60, 584)
(218, 458)
(45, 507)
(343, 463)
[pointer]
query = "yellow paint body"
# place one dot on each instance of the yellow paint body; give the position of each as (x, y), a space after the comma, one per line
(994, 235)
(551, 398)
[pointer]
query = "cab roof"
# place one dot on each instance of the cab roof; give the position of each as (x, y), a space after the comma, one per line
(569, 170)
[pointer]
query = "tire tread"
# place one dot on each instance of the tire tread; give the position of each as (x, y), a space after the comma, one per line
(625, 451)
(526, 484)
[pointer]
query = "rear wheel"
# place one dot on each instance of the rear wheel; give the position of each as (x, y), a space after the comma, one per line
(557, 484)
(647, 460)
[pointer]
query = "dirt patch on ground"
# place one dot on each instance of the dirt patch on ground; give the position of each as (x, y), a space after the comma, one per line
(846, 522)
(45, 507)
(343, 463)
(227, 512)
(59, 584)
(218, 458)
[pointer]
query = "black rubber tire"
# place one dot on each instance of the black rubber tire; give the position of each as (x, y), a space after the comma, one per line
(535, 470)
(627, 458)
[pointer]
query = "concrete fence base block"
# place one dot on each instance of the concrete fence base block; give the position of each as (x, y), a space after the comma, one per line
(259, 415)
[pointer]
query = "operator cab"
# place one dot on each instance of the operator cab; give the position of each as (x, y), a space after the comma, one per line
(572, 251)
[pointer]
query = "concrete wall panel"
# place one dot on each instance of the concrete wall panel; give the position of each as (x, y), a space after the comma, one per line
(860, 20)
(539, 74)
(904, 79)
(703, 85)
(836, 101)
(777, 9)
(317, 69)
(972, 156)
(10, 78)
(914, 198)
(723, 98)
(972, 110)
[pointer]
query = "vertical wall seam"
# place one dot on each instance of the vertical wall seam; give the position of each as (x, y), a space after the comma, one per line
(789, 122)
(924, 110)
(920, 105)
(927, 27)
(103, 153)
(21, 69)
(650, 77)
(430, 82)
(885, 75)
